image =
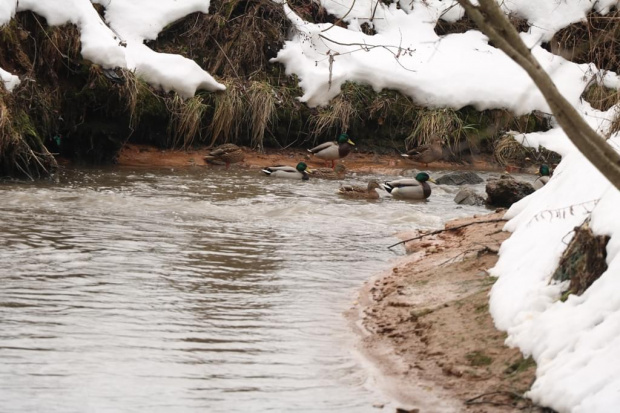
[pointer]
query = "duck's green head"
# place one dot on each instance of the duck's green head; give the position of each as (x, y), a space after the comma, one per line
(544, 170)
(301, 167)
(344, 138)
(423, 177)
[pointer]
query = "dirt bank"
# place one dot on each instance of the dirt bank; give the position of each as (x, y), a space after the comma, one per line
(425, 325)
(366, 162)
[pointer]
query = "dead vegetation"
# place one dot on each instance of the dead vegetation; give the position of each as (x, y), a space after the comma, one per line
(583, 261)
(69, 98)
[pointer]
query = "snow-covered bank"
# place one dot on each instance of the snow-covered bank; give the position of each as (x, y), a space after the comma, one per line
(575, 343)
(119, 40)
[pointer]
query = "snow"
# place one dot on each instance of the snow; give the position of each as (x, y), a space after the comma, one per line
(119, 40)
(575, 343)
(8, 80)
(455, 70)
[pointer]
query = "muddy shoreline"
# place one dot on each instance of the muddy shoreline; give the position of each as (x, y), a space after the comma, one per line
(423, 326)
(133, 155)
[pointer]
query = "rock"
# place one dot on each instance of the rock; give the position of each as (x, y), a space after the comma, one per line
(467, 196)
(506, 190)
(460, 178)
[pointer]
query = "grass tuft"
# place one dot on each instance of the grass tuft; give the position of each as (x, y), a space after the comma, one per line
(185, 122)
(262, 113)
(228, 114)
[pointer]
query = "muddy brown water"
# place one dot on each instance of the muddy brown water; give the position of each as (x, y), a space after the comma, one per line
(133, 290)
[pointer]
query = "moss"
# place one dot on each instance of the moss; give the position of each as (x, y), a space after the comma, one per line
(478, 359)
(519, 366)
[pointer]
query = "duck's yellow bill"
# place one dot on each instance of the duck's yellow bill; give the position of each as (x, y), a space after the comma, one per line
(432, 180)
(350, 142)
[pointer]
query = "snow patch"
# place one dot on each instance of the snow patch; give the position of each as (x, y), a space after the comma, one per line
(8, 80)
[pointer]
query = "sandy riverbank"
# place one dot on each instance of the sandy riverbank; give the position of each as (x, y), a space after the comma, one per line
(425, 325)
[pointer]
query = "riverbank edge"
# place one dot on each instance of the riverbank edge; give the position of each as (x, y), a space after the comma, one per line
(425, 329)
(134, 155)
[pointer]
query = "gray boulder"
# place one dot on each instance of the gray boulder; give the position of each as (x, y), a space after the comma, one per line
(467, 196)
(460, 178)
(506, 190)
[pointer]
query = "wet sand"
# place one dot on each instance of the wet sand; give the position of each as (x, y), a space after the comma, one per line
(358, 161)
(425, 325)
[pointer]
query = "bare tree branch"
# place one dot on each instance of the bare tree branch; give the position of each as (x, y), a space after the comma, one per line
(493, 22)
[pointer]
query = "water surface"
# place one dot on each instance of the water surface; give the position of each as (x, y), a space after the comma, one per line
(197, 290)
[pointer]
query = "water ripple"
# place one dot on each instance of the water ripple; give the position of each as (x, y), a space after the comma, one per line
(188, 291)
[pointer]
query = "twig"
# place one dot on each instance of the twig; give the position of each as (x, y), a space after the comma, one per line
(337, 22)
(226, 56)
(474, 400)
(439, 231)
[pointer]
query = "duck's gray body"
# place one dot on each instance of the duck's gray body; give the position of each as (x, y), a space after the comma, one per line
(287, 172)
(330, 151)
(408, 189)
(540, 182)
(360, 192)
(425, 153)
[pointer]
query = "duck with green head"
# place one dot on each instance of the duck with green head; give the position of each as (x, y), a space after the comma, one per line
(417, 188)
(545, 175)
(289, 172)
(330, 151)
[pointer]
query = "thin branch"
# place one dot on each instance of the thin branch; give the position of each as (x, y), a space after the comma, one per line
(439, 231)
(493, 22)
(340, 19)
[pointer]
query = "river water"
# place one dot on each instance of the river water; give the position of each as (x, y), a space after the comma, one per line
(190, 290)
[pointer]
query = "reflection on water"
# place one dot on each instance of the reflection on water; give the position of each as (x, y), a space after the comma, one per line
(188, 291)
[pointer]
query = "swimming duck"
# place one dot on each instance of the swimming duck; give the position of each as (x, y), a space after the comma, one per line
(360, 192)
(330, 151)
(545, 175)
(284, 171)
(328, 173)
(425, 153)
(416, 188)
(227, 153)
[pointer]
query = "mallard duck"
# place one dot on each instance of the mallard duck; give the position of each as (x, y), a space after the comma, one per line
(330, 151)
(284, 171)
(545, 175)
(328, 173)
(360, 192)
(227, 153)
(425, 153)
(416, 188)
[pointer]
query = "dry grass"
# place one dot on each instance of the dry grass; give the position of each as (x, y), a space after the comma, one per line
(615, 125)
(262, 113)
(594, 40)
(185, 122)
(228, 114)
(442, 124)
(508, 151)
(333, 118)
(601, 97)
